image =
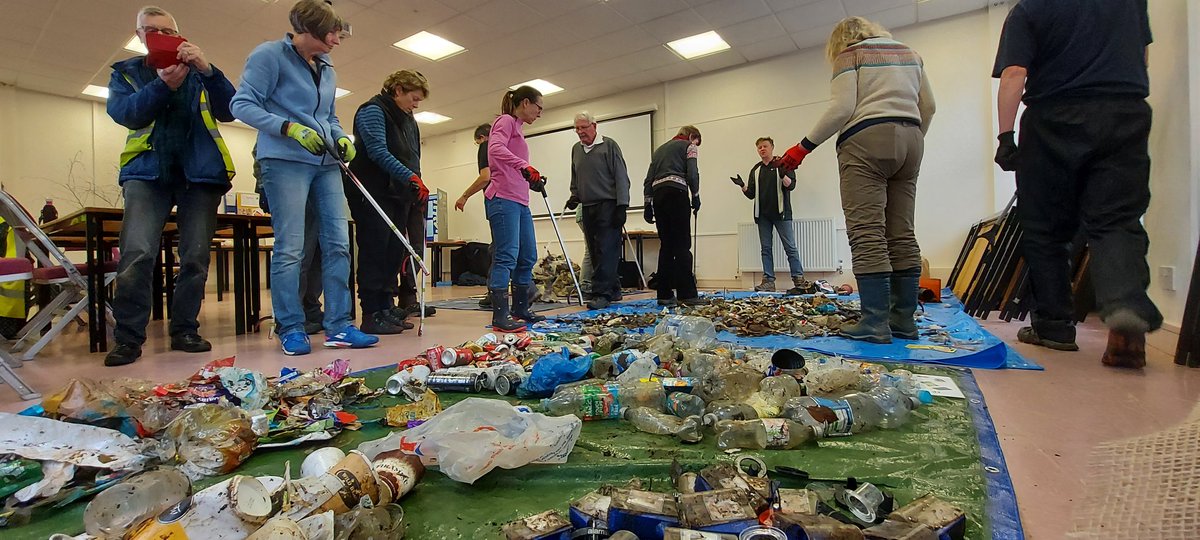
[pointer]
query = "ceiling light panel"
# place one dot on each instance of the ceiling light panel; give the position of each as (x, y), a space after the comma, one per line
(698, 45)
(426, 117)
(431, 46)
(97, 91)
(543, 86)
(135, 45)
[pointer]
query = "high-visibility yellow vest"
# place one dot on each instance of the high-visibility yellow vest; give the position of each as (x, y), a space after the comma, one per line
(12, 293)
(138, 140)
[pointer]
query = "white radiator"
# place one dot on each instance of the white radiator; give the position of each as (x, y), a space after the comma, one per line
(815, 242)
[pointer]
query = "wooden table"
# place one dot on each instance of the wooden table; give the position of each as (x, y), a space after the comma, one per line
(100, 229)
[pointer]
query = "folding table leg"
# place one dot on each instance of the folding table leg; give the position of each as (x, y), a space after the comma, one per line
(12, 379)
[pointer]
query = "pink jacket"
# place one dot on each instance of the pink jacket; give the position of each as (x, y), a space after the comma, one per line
(507, 155)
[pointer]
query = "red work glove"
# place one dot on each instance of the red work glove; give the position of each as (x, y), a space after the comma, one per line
(422, 191)
(791, 159)
(531, 174)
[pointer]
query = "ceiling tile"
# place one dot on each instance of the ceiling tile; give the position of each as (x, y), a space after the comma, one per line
(639, 11)
(587, 23)
(415, 14)
(719, 60)
(812, 37)
(464, 31)
(752, 31)
(555, 8)
(463, 6)
(781, 5)
(631, 39)
(505, 17)
(652, 57)
(895, 17)
(936, 9)
(767, 49)
(728, 12)
(675, 26)
(863, 7)
(679, 70)
(814, 15)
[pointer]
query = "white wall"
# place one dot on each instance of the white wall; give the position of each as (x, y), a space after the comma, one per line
(782, 98)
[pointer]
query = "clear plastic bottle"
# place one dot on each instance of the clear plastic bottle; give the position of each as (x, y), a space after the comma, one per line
(772, 433)
(779, 388)
(832, 376)
(733, 383)
(717, 411)
(604, 401)
(883, 407)
(659, 423)
(697, 363)
(689, 331)
(117, 510)
(641, 368)
(603, 367)
(683, 404)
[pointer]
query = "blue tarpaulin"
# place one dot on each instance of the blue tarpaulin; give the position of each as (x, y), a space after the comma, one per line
(978, 348)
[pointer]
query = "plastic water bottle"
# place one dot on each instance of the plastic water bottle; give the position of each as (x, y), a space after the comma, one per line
(659, 423)
(641, 368)
(604, 401)
(832, 376)
(902, 380)
(728, 410)
(733, 383)
(772, 433)
(683, 405)
(697, 363)
(883, 407)
(689, 331)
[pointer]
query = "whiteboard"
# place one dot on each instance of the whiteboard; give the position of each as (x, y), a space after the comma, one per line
(550, 154)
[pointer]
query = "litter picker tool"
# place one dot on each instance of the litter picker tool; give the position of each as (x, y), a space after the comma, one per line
(629, 243)
(418, 277)
(540, 187)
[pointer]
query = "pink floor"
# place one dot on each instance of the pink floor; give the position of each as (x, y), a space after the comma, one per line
(1048, 421)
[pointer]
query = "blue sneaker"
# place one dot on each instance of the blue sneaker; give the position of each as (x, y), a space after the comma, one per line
(350, 337)
(295, 343)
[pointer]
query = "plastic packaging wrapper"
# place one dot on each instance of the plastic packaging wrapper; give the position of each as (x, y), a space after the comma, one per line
(18, 473)
(249, 387)
(694, 332)
(423, 409)
(44, 439)
(91, 402)
(552, 370)
(120, 509)
(211, 440)
(476, 435)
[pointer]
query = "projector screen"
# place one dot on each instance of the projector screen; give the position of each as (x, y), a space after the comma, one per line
(550, 154)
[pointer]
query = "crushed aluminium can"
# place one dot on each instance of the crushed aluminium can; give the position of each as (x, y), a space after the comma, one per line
(455, 382)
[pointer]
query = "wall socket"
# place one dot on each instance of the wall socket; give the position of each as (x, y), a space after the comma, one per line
(1166, 278)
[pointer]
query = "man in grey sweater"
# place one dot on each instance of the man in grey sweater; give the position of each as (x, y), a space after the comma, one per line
(600, 182)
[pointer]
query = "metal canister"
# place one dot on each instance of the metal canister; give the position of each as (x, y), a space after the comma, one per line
(523, 342)
(487, 339)
(511, 339)
(455, 382)
(761, 532)
(508, 382)
(457, 357)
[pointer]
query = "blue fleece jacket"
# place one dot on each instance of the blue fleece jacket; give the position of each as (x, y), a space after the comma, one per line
(279, 86)
(136, 108)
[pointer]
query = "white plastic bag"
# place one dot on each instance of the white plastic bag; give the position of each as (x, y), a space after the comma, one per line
(475, 435)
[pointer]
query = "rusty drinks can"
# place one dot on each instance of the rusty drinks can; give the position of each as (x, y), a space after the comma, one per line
(455, 382)
(508, 382)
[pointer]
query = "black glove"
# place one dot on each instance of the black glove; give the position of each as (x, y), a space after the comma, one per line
(738, 180)
(1006, 152)
(572, 203)
(695, 204)
(648, 213)
(618, 217)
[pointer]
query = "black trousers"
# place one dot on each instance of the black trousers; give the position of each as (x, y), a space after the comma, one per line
(413, 226)
(1085, 163)
(380, 253)
(672, 217)
(602, 223)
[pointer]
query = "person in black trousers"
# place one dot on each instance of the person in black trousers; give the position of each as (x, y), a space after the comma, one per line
(1080, 68)
(600, 182)
(673, 173)
(389, 166)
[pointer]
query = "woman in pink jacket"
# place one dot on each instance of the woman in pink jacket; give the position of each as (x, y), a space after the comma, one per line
(507, 205)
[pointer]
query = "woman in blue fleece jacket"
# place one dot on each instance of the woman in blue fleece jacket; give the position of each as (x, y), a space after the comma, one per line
(287, 93)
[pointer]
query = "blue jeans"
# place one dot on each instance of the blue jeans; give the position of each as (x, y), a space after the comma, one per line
(787, 237)
(515, 243)
(288, 185)
(148, 204)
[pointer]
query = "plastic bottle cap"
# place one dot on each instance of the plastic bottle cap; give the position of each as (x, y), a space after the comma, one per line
(925, 396)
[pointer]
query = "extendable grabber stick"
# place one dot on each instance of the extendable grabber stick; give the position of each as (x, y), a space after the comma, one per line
(540, 187)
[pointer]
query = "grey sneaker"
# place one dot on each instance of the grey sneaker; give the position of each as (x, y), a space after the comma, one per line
(767, 285)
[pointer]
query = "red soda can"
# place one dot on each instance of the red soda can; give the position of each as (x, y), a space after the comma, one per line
(523, 342)
(434, 356)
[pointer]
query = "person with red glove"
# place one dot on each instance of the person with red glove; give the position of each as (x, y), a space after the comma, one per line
(881, 109)
(507, 204)
(388, 141)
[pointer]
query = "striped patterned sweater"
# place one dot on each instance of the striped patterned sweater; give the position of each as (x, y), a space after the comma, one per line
(873, 79)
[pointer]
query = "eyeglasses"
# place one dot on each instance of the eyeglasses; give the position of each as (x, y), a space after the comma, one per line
(157, 30)
(539, 106)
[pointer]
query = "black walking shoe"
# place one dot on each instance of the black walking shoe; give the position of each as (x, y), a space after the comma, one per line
(667, 302)
(192, 343)
(399, 317)
(501, 322)
(1030, 336)
(697, 301)
(122, 354)
(380, 323)
(598, 302)
(313, 327)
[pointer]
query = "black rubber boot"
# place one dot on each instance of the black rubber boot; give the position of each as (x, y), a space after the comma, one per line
(520, 305)
(874, 291)
(500, 320)
(904, 304)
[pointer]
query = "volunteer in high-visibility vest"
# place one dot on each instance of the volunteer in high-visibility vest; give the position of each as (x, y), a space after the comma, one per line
(174, 157)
